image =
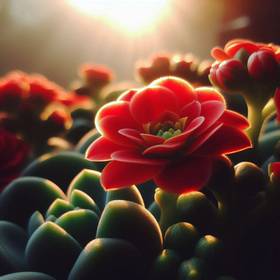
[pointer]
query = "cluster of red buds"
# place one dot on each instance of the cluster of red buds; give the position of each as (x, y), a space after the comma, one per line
(251, 69)
(186, 67)
(243, 64)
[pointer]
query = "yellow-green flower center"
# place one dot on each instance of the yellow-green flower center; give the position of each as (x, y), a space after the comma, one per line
(171, 132)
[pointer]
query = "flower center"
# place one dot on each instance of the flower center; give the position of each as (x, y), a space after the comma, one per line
(166, 129)
(171, 132)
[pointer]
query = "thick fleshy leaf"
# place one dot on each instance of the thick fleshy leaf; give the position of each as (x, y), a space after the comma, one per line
(225, 140)
(186, 175)
(150, 103)
(127, 95)
(191, 110)
(231, 118)
(208, 94)
(181, 88)
(132, 134)
(136, 157)
(121, 174)
(101, 149)
(212, 111)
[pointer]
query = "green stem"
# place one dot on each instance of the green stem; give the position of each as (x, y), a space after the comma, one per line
(256, 121)
(167, 203)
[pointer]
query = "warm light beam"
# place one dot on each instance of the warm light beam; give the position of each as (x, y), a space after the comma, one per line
(134, 16)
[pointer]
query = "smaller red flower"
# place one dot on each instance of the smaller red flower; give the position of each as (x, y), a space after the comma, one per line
(168, 132)
(186, 67)
(11, 94)
(14, 153)
(96, 75)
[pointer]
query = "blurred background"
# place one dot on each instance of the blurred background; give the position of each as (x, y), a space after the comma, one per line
(54, 37)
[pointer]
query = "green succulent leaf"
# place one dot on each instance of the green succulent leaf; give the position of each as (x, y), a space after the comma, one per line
(81, 224)
(132, 222)
(60, 168)
(12, 243)
(88, 181)
(52, 250)
(108, 258)
(21, 198)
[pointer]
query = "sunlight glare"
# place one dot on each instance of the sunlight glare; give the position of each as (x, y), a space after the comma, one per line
(131, 15)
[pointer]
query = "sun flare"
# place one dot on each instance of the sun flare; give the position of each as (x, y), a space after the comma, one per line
(131, 15)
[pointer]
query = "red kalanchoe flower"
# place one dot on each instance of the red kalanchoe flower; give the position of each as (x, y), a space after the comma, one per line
(96, 75)
(14, 153)
(168, 132)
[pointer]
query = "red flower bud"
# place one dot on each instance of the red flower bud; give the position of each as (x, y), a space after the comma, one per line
(96, 75)
(228, 75)
(263, 66)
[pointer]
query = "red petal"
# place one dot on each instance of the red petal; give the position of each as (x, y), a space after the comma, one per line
(277, 103)
(274, 167)
(132, 134)
(127, 95)
(226, 140)
(101, 149)
(219, 54)
(231, 118)
(136, 157)
(181, 88)
(184, 176)
(150, 103)
(122, 175)
(152, 139)
(163, 149)
(212, 111)
(194, 124)
(202, 139)
(191, 110)
(207, 94)
(233, 47)
(113, 117)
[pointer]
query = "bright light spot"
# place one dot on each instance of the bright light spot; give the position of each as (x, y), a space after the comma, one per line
(131, 15)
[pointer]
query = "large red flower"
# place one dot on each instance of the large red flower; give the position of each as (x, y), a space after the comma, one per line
(14, 153)
(168, 132)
